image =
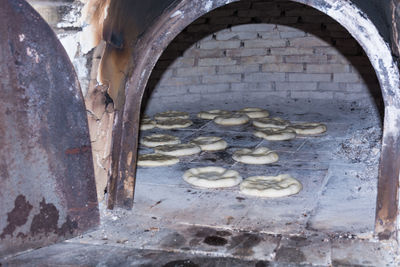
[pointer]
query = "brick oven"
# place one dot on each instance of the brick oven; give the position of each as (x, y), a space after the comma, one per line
(325, 61)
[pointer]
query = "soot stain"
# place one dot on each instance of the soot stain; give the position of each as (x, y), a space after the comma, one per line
(174, 240)
(293, 255)
(214, 240)
(223, 233)
(181, 263)
(240, 199)
(243, 244)
(299, 241)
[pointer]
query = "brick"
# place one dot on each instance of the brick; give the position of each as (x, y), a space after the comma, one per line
(312, 95)
(264, 95)
(351, 96)
(183, 62)
(170, 90)
(220, 44)
(224, 35)
(329, 86)
(346, 77)
(229, 20)
(282, 67)
(327, 68)
(245, 52)
(292, 34)
(261, 59)
(206, 88)
(238, 69)
(250, 86)
(259, 13)
(253, 27)
(308, 41)
(196, 71)
(201, 53)
(285, 28)
(306, 77)
(216, 61)
(291, 51)
(225, 78)
(264, 77)
(264, 43)
(178, 81)
(356, 87)
(269, 35)
(320, 59)
(296, 86)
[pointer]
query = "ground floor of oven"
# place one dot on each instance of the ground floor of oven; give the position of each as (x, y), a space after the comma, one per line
(330, 222)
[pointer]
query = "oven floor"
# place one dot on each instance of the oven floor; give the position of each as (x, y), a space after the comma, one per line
(329, 222)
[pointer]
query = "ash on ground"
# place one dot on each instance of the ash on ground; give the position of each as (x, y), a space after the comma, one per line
(363, 147)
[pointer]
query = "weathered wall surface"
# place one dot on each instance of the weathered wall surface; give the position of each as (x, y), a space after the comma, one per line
(255, 49)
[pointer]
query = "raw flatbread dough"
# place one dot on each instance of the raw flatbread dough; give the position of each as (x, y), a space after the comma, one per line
(147, 123)
(211, 114)
(271, 122)
(261, 155)
(232, 119)
(210, 143)
(178, 150)
(308, 128)
(171, 114)
(155, 160)
(255, 113)
(212, 177)
(274, 134)
(174, 123)
(270, 186)
(159, 140)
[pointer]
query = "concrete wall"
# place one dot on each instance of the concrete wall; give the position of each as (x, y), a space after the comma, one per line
(255, 49)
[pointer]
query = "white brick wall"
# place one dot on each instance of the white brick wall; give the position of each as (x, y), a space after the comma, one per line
(295, 52)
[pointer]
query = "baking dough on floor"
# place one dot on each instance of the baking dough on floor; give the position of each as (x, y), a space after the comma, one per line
(254, 113)
(174, 123)
(260, 155)
(232, 119)
(275, 134)
(308, 128)
(156, 160)
(212, 177)
(147, 123)
(159, 140)
(178, 150)
(274, 122)
(210, 143)
(211, 114)
(171, 114)
(270, 186)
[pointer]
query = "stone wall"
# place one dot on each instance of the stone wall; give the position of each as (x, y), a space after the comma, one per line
(255, 49)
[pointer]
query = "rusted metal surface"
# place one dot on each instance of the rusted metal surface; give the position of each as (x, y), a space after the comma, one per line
(47, 182)
(388, 184)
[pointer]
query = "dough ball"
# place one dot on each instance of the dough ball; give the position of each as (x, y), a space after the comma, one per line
(156, 160)
(210, 143)
(171, 114)
(254, 113)
(212, 177)
(271, 122)
(178, 150)
(260, 155)
(270, 186)
(211, 114)
(275, 134)
(159, 140)
(174, 123)
(147, 123)
(308, 128)
(232, 119)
